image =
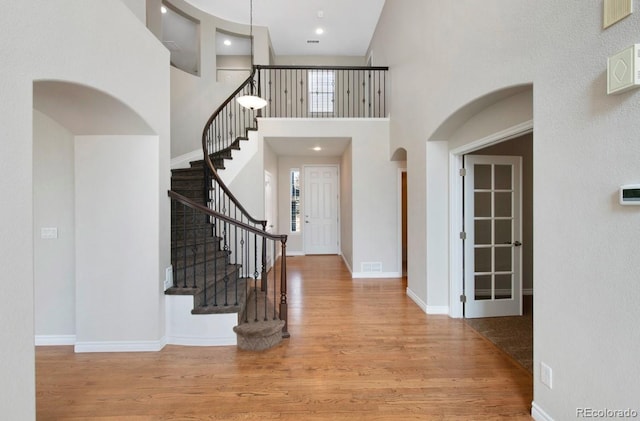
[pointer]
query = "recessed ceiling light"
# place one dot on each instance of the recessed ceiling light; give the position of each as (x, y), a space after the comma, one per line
(320, 14)
(317, 148)
(227, 42)
(163, 9)
(319, 31)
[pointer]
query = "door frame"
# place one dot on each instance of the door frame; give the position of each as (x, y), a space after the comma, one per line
(456, 191)
(303, 201)
(401, 172)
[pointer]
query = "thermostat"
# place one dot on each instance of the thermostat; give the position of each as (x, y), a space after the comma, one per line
(630, 194)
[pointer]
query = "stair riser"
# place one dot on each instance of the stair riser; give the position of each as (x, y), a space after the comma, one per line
(190, 184)
(212, 251)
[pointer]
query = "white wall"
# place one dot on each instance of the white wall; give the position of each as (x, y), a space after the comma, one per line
(116, 243)
(442, 57)
(374, 178)
(53, 207)
(63, 41)
(346, 206)
(195, 98)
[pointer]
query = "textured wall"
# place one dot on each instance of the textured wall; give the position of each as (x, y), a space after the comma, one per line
(444, 55)
(62, 40)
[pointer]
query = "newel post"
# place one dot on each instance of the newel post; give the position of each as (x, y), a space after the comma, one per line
(283, 289)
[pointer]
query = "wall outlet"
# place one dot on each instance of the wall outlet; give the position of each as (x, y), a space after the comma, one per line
(546, 375)
(168, 278)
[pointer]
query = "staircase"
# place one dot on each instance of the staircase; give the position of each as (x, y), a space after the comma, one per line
(218, 250)
(218, 254)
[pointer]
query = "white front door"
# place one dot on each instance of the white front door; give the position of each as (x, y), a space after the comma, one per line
(492, 223)
(320, 228)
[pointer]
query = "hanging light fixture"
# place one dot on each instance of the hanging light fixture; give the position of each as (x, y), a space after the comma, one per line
(251, 101)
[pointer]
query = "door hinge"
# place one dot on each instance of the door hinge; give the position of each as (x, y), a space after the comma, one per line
(463, 298)
(463, 172)
(463, 235)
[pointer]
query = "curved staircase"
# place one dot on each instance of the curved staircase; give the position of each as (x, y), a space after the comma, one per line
(218, 250)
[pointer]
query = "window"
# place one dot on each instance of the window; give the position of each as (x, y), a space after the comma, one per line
(295, 199)
(321, 91)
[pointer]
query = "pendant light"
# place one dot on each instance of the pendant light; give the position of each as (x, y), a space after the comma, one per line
(251, 101)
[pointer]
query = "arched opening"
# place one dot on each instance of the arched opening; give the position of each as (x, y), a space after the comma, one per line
(481, 127)
(96, 223)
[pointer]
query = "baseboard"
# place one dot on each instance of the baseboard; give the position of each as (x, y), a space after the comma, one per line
(538, 413)
(182, 161)
(347, 265)
(295, 253)
(200, 341)
(55, 340)
(417, 300)
(438, 310)
(360, 275)
(119, 346)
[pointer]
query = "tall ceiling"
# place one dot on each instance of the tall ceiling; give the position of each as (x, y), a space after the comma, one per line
(348, 24)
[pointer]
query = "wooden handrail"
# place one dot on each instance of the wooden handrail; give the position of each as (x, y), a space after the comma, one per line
(207, 153)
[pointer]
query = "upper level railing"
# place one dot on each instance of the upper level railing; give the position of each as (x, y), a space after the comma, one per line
(323, 91)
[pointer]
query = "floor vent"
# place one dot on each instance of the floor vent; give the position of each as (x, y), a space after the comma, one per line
(371, 267)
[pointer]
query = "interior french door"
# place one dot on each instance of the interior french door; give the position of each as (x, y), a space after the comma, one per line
(320, 229)
(492, 224)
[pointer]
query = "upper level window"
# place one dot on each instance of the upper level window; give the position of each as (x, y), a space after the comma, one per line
(321, 90)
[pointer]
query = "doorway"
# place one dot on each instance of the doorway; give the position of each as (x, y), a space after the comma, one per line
(321, 198)
(512, 334)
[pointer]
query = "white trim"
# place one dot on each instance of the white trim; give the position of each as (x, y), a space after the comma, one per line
(200, 341)
(120, 346)
(455, 206)
(295, 253)
(360, 275)
(498, 137)
(183, 161)
(438, 310)
(399, 210)
(347, 264)
(417, 300)
(539, 414)
(455, 243)
(54, 340)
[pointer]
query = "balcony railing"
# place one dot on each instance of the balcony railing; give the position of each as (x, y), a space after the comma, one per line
(323, 92)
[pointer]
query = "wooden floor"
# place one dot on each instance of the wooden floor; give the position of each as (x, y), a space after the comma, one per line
(359, 350)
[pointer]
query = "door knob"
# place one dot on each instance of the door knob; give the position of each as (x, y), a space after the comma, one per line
(517, 244)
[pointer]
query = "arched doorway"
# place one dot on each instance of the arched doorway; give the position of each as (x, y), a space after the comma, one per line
(96, 219)
(485, 122)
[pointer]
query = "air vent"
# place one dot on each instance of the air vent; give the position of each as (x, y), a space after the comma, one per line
(615, 11)
(371, 267)
(313, 41)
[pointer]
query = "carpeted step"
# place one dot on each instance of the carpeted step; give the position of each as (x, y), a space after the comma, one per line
(259, 329)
